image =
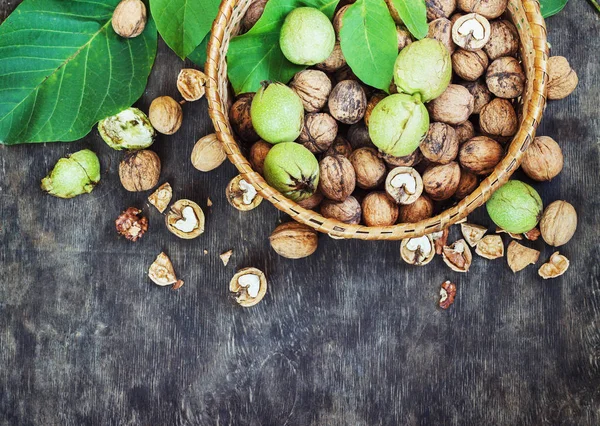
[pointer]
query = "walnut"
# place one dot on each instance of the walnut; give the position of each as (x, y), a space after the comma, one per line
(498, 118)
(471, 31)
(208, 153)
(358, 136)
(447, 294)
(370, 169)
(505, 78)
(439, 8)
(480, 155)
(407, 160)
(418, 250)
(420, 210)
(469, 64)
(248, 286)
(467, 184)
(454, 106)
(472, 233)
(241, 121)
(404, 37)
(242, 195)
(131, 224)
(313, 87)
(490, 247)
(440, 181)
(318, 132)
(404, 185)
(335, 61)
(441, 30)
(337, 178)
(337, 19)
(348, 102)
(190, 83)
(504, 40)
(556, 266)
(129, 18)
(481, 94)
(165, 114)
(440, 145)
(347, 211)
(489, 8)
(139, 170)
(543, 159)
(464, 131)
(294, 240)
(562, 78)
(379, 210)
(458, 256)
(161, 197)
(185, 219)
(258, 153)
(519, 256)
(253, 14)
(161, 272)
(311, 202)
(440, 239)
(558, 223)
(340, 146)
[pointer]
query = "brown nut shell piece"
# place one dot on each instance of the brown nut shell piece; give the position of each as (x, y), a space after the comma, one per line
(348, 102)
(139, 170)
(519, 256)
(190, 83)
(543, 159)
(337, 178)
(480, 155)
(379, 210)
(313, 87)
(404, 185)
(417, 251)
(454, 106)
(558, 223)
(161, 271)
(471, 32)
(183, 222)
(370, 170)
(458, 256)
(504, 40)
(441, 181)
(165, 114)
(161, 197)
(555, 267)
(440, 144)
(248, 296)
(294, 240)
(208, 153)
(129, 18)
(505, 78)
(241, 194)
(241, 121)
(347, 211)
(498, 118)
(318, 132)
(562, 78)
(421, 209)
(472, 233)
(340, 146)
(490, 247)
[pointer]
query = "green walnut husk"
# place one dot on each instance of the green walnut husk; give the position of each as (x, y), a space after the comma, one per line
(307, 36)
(293, 170)
(73, 175)
(398, 124)
(423, 68)
(515, 207)
(129, 129)
(277, 113)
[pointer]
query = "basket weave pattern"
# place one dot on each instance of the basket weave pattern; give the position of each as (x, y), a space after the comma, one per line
(526, 16)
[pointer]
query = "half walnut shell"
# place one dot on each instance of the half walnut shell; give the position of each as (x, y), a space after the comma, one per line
(185, 219)
(417, 251)
(248, 286)
(458, 256)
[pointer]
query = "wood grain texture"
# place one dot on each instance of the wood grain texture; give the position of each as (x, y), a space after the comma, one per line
(349, 336)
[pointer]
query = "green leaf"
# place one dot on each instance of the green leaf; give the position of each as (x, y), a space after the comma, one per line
(414, 15)
(255, 56)
(369, 42)
(183, 23)
(198, 56)
(63, 68)
(552, 7)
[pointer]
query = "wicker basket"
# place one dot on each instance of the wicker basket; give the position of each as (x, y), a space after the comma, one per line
(526, 16)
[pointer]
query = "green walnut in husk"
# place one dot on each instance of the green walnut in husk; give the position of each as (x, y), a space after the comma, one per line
(277, 113)
(292, 170)
(307, 36)
(73, 175)
(129, 129)
(515, 207)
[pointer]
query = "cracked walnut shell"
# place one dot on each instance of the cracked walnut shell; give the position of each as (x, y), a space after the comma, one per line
(161, 272)
(248, 286)
(472, 233)
(490, 247)
(161, 197)
(519, 256)
(185, 219)
(457, 256)
(417, 251)
(555, 267)
(190, 83)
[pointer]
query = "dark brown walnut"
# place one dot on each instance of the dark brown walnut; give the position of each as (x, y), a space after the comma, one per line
(373, 101)
(311, 202)
(319, 132)
(294, 240)
(480, 155)
(313, 87)
(469, 64)
(345, 73)
(440, 145)
(358, 136)
(498, 118)
(562, 78)
(258, 153)
(481, 94)
(379, 210)
(505, 78)
(404, 37)
(370, 169)
(467, 184)
(504, 40)
(489, 8)
(420, 210)
(439, 8)
(337, 179)
(239, 115)
(458, 256)
(464, 131)
(454, 106)
(253, 14)
(440, 29)
(139, 170)
(340, 146)
(348, 102)
(471, 31)
(337, 19)
(131, 224)
(335, 61)
(441, 181)
(405, 161)
(543, 159)
(347, 211)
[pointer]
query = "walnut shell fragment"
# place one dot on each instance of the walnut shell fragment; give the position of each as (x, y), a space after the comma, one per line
(510, 234)
(519, 256)
(472, 233)
(161, 272)
(161, 197)
(190, 83)
(458, 256)
(490, 247)
(248, 286)
(225, 257)
(555, 267)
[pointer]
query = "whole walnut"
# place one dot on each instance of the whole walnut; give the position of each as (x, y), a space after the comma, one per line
(440, 145)
(347, 211)
(373, 101)
(239, 115)
(369, 168)
(469, 64)
(404, 37)
(439, 8)
(253, 14)
(481, 94)
(480, 155)
(441, 181)
(313, 87)
(440, 29)
(505, 78)
(312, 202)
(165, 114)
(340, 146)
(129, 18)
(467, 184)
(337, 19)
(379, 210)
(358, 136)
(294, 240)
(498, 118)
(208, 153)
(454, 106)
(337, 179)
(348, 102)
(258, 153)
(464, 131)
(139, 170)
(406, 161)
(335, 61)
(558, 223)
(488, 8)
(543, 159)
(504, 40)
(319, 132)
(420, 210)
(562, 79)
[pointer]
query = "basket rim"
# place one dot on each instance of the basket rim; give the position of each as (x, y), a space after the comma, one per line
(532, 113)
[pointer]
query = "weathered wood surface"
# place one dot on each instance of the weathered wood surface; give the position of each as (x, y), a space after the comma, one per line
(349, 336)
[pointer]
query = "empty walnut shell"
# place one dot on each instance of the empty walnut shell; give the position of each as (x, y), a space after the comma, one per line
(190, 83)
(519, 256)
(562, 78)
(347, 211)
(245, 291)
(294, 240)
(543, 159)
(555, 267)
(498, 118)
(505, 78)
(441, 181)
(458, 256)
(480, 155)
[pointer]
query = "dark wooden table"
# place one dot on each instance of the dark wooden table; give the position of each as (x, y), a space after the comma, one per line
(348, 336)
